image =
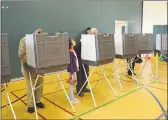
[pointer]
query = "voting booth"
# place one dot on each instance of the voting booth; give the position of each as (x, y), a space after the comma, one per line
(49, 53)
(145, 46)
(145, 43)
(6, 69)
(126, 45)
(5, 61)
(97, 49)
(161, 43)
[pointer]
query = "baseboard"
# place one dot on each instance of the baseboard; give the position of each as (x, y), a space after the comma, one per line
(16, 79)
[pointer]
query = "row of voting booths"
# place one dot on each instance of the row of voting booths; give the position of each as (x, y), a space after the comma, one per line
(50, 53)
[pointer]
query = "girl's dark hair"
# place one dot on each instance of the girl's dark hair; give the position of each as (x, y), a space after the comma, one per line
(70, 43)
(88, 29)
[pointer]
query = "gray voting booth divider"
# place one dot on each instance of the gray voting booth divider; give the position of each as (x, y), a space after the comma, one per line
(145, 42)
(132, 44)
(45, 54)
(97, 50)
(104, 51)
(145, 45)
(161, 45)
(126, 47)
(5, 67)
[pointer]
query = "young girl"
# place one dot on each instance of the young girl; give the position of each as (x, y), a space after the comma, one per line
(73, 68)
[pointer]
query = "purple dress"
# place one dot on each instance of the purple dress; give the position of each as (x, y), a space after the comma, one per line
(72, 67)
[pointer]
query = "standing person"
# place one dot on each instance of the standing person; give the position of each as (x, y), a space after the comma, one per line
(132, 66)
(81, 74)
(73, 68)
(25, 71)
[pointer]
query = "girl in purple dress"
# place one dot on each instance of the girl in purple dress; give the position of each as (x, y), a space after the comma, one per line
(73, 68)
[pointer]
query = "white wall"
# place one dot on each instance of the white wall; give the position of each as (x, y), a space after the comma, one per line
(154, 13)
(118, 26)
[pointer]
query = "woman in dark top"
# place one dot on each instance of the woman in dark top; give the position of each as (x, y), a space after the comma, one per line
(73, 68)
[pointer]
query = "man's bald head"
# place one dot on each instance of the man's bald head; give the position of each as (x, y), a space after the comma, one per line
(94, 31)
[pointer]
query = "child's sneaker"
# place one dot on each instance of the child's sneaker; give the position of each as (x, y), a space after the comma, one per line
(74, 100)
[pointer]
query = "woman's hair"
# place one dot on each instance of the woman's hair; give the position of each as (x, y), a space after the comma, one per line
(70, 43)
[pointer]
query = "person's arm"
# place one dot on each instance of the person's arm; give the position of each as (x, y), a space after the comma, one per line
(78, 43)
(22, 50)
(78, 46)
(71, 65)
(78, 50)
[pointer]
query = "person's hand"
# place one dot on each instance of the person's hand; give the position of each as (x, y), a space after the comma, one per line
(72, 79)
(25, 66)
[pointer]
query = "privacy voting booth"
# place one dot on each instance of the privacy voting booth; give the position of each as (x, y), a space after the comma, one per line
(97, 50)
(132, 44)
(5, 68)
(145, 46)
(5, 63)
(126, 47)
(145, 43)
(48, 53)
(161, 43)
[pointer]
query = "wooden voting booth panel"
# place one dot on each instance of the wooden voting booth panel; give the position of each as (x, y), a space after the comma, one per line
(5, 61)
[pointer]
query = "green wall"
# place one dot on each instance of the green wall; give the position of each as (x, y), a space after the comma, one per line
(71, 16)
